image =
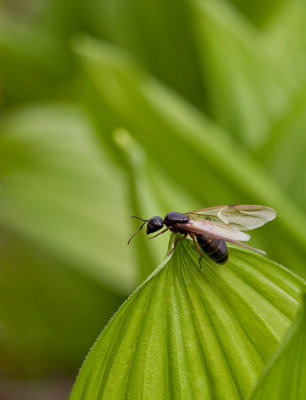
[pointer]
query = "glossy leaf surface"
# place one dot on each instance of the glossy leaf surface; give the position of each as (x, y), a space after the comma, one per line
(191, 333)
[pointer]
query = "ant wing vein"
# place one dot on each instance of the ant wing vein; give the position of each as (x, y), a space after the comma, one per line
(241, 217)
(215, 229)
(228, 234)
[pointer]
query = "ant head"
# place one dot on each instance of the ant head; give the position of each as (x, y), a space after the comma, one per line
(154, 224)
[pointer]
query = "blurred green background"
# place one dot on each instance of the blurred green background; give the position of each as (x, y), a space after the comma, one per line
(111, 108)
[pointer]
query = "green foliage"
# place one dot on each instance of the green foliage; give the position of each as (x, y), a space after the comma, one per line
(191, 333)
(284, 376)
(72, 200)
(153, 113)
(45, 307)
(118, 108)
(55, 265)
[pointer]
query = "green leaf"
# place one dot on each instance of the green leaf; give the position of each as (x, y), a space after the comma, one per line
(33, 62)
(253, 85)
(160, 34)
(190, 333)
(149, 190)
(142, 197)
(287, 32)
(41, 297)
(61, 191)
(261, 12)
(209, 165)
(284, 376)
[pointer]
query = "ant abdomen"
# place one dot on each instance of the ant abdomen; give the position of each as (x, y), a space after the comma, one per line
(216, 249)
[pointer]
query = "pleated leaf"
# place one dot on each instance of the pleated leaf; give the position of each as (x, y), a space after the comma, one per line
(284, 377)
(188, 333)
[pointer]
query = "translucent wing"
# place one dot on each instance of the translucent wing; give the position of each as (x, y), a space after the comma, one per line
(215, 229)
(242, 216)
(218, 231)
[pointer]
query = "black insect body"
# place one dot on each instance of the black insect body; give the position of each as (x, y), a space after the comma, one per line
(172, 219)
(154, 224)
(216, 249)
(210, 228)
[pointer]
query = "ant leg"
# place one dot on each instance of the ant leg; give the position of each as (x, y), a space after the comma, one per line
(181, 238)
(196, 244)
(197, 247)
(152, 237)
(177, 240)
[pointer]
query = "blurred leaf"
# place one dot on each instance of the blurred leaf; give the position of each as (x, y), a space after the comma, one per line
(260, 12)
(284, 152)
(192, 151)
(142, 199)
(160, 35)
(50, 312)
(284, 376)
(67, 190)
(284, 146)
(150, 191)
(191, 333)
(240, 69)
(287, 32)
(33, 63)
(60, 191)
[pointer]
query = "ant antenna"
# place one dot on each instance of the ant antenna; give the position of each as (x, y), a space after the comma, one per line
(144, 222)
